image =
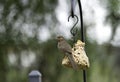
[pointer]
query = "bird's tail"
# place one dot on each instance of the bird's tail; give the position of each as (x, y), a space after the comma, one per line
(72, 61)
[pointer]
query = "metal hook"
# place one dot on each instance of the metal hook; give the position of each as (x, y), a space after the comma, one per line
(73, 30)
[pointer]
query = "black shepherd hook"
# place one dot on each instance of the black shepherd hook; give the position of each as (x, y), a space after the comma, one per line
(73, 30)
(81, 30)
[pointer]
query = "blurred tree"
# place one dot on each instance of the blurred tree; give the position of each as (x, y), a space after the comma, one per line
(113, 18)
(20, 23)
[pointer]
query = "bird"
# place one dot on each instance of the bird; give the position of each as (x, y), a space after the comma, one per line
(66, 49)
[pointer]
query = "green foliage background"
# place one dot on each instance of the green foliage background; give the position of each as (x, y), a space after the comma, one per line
(14, 40)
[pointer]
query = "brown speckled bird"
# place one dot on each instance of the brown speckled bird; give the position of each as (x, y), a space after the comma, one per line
(65, 48)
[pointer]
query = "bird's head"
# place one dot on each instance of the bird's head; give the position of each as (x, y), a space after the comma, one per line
(60, 38)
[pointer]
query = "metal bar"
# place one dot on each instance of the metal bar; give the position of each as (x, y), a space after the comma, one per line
(82, 34)
(81, 21)
(72, 8)
(72, 12)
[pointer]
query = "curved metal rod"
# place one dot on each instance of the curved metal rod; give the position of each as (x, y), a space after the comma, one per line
(82, 33)
(73, 31)
(82, 30)
(81, 21)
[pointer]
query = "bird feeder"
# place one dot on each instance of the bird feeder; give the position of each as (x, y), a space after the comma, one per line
(79, 55)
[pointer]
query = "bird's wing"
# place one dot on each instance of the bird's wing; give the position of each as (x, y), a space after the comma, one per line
(67, 47)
